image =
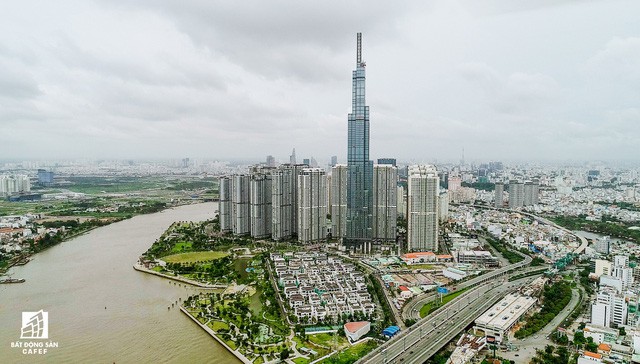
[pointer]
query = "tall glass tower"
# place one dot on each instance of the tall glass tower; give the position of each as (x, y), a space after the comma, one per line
(359, 167)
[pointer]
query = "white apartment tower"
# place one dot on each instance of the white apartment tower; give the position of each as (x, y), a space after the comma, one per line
(516, 194)
(499, 198)
(385, 209)
(312, 205)
(240, 205)
(422, 210)
(338, 201)
(260, 205)
(283, 203)
(224, 209)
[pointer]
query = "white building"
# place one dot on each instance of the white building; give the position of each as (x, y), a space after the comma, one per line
(355, 330)
(499, 319)
(443, 206)
(284, 203)
(260, 205)
(499, 195)
(312, 205)
(602, 267)
(10, 184)
(601, 314)
(454, 274)
(385, 210)
(240, 204)
(225, 214)
(516, 194)
(422, 219)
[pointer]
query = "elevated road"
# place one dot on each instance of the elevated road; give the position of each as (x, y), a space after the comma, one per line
(412, 309)
(424, 339)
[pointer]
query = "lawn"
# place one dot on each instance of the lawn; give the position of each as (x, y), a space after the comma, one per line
(431, 306)
(327, 340)
(181, 247)
(352, 354)
(301, 361)
(218, 325)
(193, 257)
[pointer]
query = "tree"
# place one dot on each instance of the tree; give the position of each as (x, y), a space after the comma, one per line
(284, 354)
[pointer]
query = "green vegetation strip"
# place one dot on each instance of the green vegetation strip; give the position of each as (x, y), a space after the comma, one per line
(555, 299)
(194, 257)
(607, 226)
(529, 274)
(352, 354)
(430, 307)
(505, 252)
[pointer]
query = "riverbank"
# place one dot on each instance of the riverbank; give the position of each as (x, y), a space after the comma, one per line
(209, 331)
(141, 268)
(24, 259)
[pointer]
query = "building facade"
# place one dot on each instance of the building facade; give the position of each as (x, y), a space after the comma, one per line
(312, 205)
(338, 201)
(422, 209)
(360, 168)
(224, 207)
(260, 195)
(385, 199)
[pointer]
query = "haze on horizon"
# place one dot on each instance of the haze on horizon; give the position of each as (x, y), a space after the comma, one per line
(541, 80)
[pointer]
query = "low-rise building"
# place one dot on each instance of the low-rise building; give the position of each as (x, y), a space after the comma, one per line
(355, 330)
(499, 319)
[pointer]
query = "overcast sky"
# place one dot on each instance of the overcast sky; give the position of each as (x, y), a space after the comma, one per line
(504, 79)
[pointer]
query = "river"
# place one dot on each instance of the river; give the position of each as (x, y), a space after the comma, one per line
(100, 309)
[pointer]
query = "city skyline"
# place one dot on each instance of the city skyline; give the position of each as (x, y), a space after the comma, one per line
(505, 81)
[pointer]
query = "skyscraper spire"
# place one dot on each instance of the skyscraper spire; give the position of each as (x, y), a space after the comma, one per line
(359, 52)
(359, 167)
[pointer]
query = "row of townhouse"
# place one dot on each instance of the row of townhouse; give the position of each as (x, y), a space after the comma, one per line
(319, 286)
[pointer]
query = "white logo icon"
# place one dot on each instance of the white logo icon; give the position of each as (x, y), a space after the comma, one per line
(35, 325)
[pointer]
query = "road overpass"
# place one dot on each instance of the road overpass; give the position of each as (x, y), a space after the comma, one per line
(425, 338)
(412, 309)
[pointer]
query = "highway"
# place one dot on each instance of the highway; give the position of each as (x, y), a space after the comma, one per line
(412, 309)
(424, 339)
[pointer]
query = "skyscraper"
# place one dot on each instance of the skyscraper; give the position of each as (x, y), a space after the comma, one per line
(338, 200)
(385, 210)
(422, 219)
(516, 194)
(240, 205)
(292, 157)
(225, 204)
(312, 205)
(359, 167)
(260, 205)
(285, 201)
(499, 195)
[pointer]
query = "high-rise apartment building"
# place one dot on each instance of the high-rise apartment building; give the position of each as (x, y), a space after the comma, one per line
(312, 205)
(338, 201)
(240, 205)
(260, 205)
(285, 201)
(385, 199)
(224, 206)
(422, 219)
(10, 184)
(271, 161)
(402, 202)
(499, 197)
(360, 168)
(516, 194)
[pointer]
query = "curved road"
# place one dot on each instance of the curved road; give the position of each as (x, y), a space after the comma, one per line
(412, 309)
(423, 340)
